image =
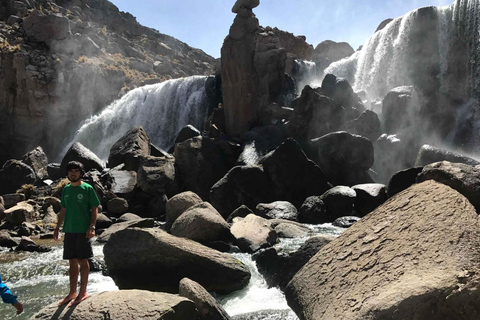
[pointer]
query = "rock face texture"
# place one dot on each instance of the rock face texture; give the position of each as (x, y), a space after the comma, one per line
(49, 48)
(155, 260)
(415, 257)
(124, 305)
(253, 62)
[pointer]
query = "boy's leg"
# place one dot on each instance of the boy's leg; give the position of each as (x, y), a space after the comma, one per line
(73, 275)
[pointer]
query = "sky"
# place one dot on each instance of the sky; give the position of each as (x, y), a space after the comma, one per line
(204, 24)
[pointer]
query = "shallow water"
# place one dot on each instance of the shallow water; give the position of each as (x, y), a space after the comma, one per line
(39, 279)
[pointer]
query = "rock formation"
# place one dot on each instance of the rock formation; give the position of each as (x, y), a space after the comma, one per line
(253, 67)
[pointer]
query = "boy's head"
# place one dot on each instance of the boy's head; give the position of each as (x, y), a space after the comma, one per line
(75, 165)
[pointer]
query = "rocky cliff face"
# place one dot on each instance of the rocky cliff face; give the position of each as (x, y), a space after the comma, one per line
(62, 61)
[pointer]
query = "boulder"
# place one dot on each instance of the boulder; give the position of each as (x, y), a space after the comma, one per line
(201, 164)
(134, 144)
(80, 153)
(248, 4)
(399, 109)
(369, 196)
(54, 172)
(366, 125)
(341, 92)
(41, 28)
(314, 115)
(408, 259)
(21, 212)
(430, 154)
(155, 260)
(313, 211)
(124, 305)
(345, 222)
(11, 199)
(38, 161)
(293, 175)
(116, 207)
(240, 212)
(14, 174)
(258, 142)
(342, 155)
(201, 223)
(295, 45)
(339, 202)
(461, 177)
(50, 217)
(242, 185)
(103, 222)
(186, 133)
(6, 240)
(27, 244)
(277, 210)
(155, 207)
(128, 217)
(207, 307)
(402, 180)
(141, 223)
(279, 268)
(253, 233)
(328, 51)
(179, 203)
(156, 174)
(290, 230)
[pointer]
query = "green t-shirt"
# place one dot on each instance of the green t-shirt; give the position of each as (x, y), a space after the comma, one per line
(78, 202)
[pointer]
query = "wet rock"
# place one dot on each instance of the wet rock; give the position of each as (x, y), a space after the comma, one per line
(207, 307)
(430, 154)
(373, 261)
(366, 125)
(345, 222)
(186, 133)
(313, 211)
(289, 230)
(124, 182)
(136, 259)
(399, 109)
(328, 51)
(27, 244)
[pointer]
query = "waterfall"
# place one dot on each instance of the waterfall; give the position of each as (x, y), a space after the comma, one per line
(162, 109)
(305, 73)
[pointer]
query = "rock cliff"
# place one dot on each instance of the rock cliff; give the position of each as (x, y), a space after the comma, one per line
(62, 61)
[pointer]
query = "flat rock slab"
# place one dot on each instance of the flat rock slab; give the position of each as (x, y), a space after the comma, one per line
(415, 257)
(124, 305)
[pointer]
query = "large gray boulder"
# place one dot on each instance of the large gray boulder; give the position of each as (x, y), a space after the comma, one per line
(293, 175)
(78, 152)
(156, 174)
(179, 203)
(124, 305)
(242, 185)
(207, 307)
(461, 177)
(37, 159)
(201, 223)
(41, 28)
(343, 157)
(369, 196)
(430, 154)
(137, 223)
(328, 51)
(399, 109)
(129, 148)
(411, 258)
(339, 202)
(155, 260)
(201, 164)
(315, 115)
(253, 233)
(277, 210)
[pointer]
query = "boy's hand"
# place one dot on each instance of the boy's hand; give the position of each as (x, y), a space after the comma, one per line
(19, 307)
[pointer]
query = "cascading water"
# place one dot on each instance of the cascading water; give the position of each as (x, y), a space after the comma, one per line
(305, 73)
(161, 109)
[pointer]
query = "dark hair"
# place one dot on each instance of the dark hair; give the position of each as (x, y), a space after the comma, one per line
(76, 165)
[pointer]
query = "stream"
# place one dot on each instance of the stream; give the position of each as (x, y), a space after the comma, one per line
(39, 279)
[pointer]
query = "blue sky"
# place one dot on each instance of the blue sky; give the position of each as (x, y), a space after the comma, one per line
(205, 23)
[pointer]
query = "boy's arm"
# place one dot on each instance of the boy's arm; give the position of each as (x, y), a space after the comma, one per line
(93, 221)
(61, 218)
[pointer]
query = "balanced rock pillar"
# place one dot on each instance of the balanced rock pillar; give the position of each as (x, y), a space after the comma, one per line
(253, 67)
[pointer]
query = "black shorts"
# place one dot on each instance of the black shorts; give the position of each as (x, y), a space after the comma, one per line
(77, 246)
